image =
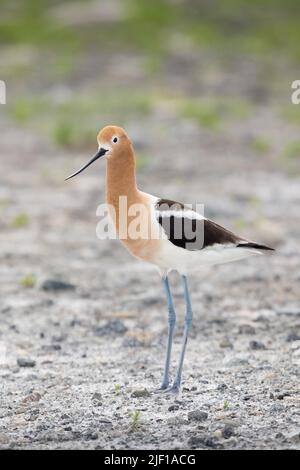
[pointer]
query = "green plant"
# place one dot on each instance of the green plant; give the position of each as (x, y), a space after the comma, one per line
(292, 150)
(20, 220)
(261, 144)
(29, 280)
(135, 419)
(204, 114)
(63, 133)
(226, 404)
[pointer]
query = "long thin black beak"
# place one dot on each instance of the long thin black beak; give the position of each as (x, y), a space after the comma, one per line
(99, 154)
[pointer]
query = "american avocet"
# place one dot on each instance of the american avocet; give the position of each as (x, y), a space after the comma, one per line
(171, 235)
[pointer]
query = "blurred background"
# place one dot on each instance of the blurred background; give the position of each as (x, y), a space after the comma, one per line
(204, 90)
(72, 66)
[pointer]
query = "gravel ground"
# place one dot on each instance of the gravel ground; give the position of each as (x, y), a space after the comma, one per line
(83, 350)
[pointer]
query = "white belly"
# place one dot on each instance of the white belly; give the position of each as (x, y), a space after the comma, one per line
(170, 257)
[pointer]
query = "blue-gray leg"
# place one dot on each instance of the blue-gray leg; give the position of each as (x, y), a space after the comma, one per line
(187, 325)
(171, 326)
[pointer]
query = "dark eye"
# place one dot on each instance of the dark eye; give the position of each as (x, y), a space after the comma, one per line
(115, 140)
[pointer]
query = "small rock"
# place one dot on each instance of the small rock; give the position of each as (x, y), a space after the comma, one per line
(256, 345)
(294, 437)
(276, 408)
(197, 415)
(55, 285)
(173, 408)
(292, 337)
(202, 442)
(4, 439)
(104, 421)
(227, 431)
(289, 311)
(97, 399)
(33, 397)
(90, 436)
(23, 362)
(247, 397)
(58, 338)
(237, 362)
(51, 347)
(33, 415)
(246, 330)
(225, 343)
(222, 387)
(140, 393)
(133, 343)
(111, 327)
(282, 395)
(97, 396)
(177, 421)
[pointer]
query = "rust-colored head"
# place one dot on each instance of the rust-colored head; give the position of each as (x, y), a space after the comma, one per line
(113, 142)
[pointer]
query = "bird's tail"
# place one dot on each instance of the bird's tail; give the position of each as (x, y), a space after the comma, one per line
(255, 246)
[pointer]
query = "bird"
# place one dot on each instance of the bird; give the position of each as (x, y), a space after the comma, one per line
(168, 234)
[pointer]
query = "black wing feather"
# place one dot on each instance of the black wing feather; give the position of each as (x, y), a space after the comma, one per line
(193, 233)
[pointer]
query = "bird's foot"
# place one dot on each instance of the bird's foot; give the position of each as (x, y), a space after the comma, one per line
(163, 388)
(173, 390)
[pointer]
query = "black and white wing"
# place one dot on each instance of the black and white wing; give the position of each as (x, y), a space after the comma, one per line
(188, 229)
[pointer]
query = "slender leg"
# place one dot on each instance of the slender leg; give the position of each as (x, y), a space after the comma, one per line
(171, 326)
(187, 324)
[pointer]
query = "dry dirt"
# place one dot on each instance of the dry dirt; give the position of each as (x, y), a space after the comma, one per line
(91, 345)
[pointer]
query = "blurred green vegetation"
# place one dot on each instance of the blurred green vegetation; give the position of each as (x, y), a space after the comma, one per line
(75, 121)
(211, 113)
(20, 220)
(29, 280)
(261, 144)
(41, 46)
(247, 25)
(292, 150)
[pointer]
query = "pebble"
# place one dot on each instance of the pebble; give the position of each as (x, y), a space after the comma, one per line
(222, 387)
(227, 431)
(97, 396)
(236, 362)
(132, 343)
(282, 395)
(202, 442)
(289, 311)
(293, 337)
(294, 437)
(140, 393)
(173, 407)
(197, 415)
(97, 399)
(111, 327)
(55, 285)
(33, 415)
(256, 345)
(90, 436)
(246, 330)
(23, 362)
(225, 343)
(33, 397)
(177, 421)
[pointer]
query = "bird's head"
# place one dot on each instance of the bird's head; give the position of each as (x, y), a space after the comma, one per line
(113, 143)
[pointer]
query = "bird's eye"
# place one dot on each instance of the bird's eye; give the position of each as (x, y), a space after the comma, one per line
(115, 139)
